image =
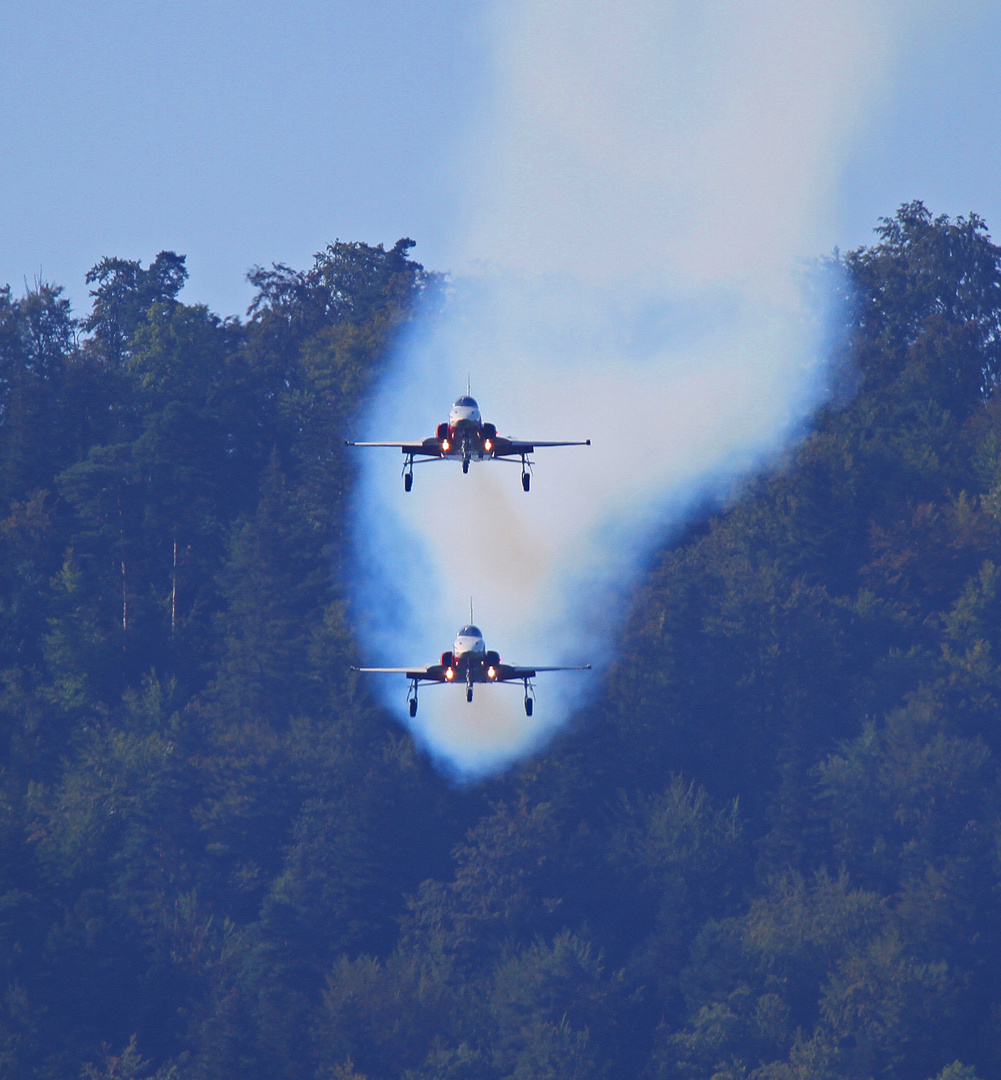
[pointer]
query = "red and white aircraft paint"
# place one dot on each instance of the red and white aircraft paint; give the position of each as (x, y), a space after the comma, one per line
(466, 438)
(468, 663)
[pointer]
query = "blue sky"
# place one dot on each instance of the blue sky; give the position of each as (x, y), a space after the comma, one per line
(243, 133)
(936, 134)
(235, 133)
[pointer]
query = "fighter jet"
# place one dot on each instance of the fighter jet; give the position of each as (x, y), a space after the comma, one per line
(466, 438)
(470, 662)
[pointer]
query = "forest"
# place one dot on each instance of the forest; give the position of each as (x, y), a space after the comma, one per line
(767, 850)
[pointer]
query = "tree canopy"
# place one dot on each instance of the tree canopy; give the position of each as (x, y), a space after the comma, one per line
(767, 851)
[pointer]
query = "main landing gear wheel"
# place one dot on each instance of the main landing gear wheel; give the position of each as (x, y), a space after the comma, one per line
(413, 706)
(469, 693)
(526, 481)
(408, 481)
(465, 467)
(529, 703)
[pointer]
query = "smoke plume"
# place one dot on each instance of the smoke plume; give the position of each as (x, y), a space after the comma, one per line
(640, 200)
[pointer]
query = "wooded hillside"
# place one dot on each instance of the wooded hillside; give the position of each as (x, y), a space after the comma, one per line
(769, 850)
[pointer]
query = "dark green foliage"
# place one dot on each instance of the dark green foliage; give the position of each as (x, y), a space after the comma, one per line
(124, 295)
(768, 851)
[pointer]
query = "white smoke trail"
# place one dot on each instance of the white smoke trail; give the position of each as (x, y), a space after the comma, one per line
(650, 177)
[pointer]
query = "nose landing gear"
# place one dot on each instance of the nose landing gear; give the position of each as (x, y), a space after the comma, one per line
(412, 698)
(408, 473)
(529, 698)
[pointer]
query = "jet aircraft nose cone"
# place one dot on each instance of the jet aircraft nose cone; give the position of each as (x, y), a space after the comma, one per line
(468, 640)
(464, 413)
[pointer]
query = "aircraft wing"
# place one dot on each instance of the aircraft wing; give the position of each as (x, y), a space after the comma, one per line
(427, 447)
(509, 671)
(433, 672)
(503, 447)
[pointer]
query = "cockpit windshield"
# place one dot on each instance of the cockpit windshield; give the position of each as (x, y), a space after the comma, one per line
(467, 402)
(470, 631)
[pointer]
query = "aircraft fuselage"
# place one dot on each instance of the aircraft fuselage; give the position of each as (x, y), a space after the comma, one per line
(465, 436)
(469, 661)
